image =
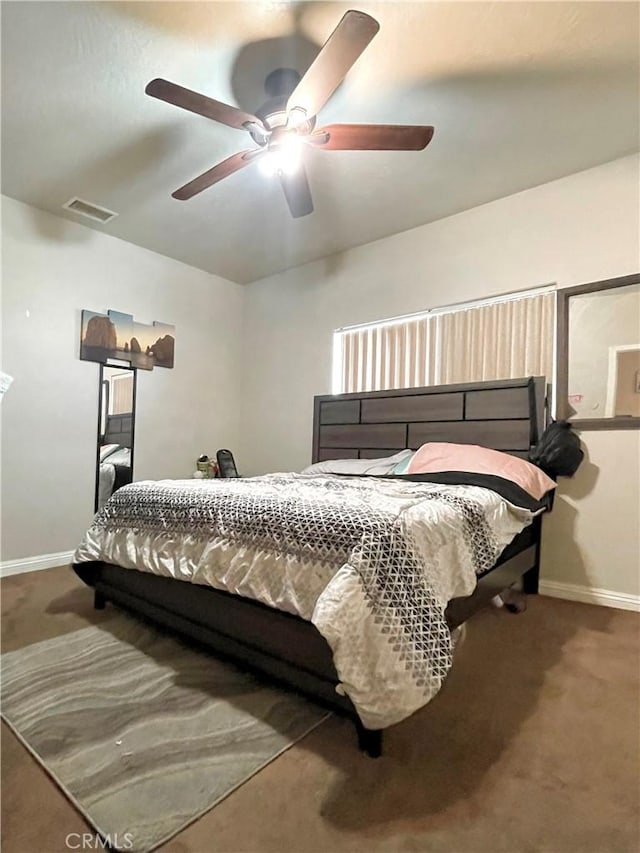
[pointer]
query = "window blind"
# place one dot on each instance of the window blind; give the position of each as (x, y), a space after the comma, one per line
(503, 339)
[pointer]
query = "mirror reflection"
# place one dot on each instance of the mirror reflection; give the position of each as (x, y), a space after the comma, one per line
(604, 353)
(115, 431)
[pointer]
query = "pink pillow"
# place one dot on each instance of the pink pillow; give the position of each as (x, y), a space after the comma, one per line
(436, 457)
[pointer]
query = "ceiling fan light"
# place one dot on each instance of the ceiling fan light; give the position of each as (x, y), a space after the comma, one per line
(289, 161)
(289, 166)
(297, 116)
(269, 163)
(286, 157)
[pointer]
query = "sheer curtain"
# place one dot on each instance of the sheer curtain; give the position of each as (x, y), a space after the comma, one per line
(121, 393)
(399, 355)
(505, 339)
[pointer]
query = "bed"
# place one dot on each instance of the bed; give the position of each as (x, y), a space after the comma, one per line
(507, 415)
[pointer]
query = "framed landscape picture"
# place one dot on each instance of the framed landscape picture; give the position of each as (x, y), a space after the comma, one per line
(118, 336)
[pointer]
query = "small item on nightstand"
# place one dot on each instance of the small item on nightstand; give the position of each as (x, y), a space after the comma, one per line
(226, 464)
(206, 468)
(203, 467)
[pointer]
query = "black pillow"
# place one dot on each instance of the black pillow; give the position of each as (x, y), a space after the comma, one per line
(558, 453)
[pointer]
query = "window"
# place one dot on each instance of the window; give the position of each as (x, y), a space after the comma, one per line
(503, 338)
(121, 396)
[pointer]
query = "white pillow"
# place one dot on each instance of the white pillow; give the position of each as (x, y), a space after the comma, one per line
(120, 457)
(361, 467)
(107, 450)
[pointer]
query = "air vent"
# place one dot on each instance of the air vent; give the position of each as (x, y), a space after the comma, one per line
(91, 211)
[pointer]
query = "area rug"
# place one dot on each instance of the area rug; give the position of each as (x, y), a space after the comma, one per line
(143, 733)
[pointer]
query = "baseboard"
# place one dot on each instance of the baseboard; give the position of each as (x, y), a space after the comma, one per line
(35, 564)
(590, 595)
(555, 589)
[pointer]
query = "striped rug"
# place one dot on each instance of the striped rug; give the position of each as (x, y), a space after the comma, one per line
(142, 733)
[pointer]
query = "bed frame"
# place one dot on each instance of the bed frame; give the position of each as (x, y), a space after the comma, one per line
(508, 415)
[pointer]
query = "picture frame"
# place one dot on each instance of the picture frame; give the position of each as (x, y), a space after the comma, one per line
(116, 336)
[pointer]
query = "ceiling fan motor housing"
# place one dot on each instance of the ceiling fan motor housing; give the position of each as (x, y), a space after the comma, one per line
(279, 85)
(281, 82)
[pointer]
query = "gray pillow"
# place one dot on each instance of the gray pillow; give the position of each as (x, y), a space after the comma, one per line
(361, 467)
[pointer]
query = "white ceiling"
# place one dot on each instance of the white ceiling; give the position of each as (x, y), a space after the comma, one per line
(519, 93)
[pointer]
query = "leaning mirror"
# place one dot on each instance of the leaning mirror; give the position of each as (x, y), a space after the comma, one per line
(116, 430)
(599, 354)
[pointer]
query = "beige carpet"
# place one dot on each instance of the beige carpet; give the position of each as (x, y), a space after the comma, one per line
(143, 733)
(531, 747)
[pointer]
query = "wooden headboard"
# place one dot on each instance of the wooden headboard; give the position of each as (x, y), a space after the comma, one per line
(119, 430)
(506, 414)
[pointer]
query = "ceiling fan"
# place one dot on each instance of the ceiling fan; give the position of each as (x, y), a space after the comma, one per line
(286, 122)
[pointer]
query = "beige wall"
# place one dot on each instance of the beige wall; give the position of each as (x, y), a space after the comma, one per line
(592, 537)
(577, 229)
(51, 269)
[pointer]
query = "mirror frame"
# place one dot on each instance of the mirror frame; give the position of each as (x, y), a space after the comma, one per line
(562, 349)
(119, 366)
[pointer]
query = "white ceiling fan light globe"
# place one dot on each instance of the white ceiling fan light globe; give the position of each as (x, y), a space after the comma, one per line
(269, 163)
(284, 157)
(296, 117)
(290, 166)
(290, 153)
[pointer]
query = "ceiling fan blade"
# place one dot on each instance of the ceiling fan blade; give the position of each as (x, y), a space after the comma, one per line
(297, 192)
(200, 104)
(217, 173)
(329, 68)
(372, 137)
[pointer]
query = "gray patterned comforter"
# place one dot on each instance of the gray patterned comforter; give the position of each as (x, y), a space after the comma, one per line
(371, 562)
